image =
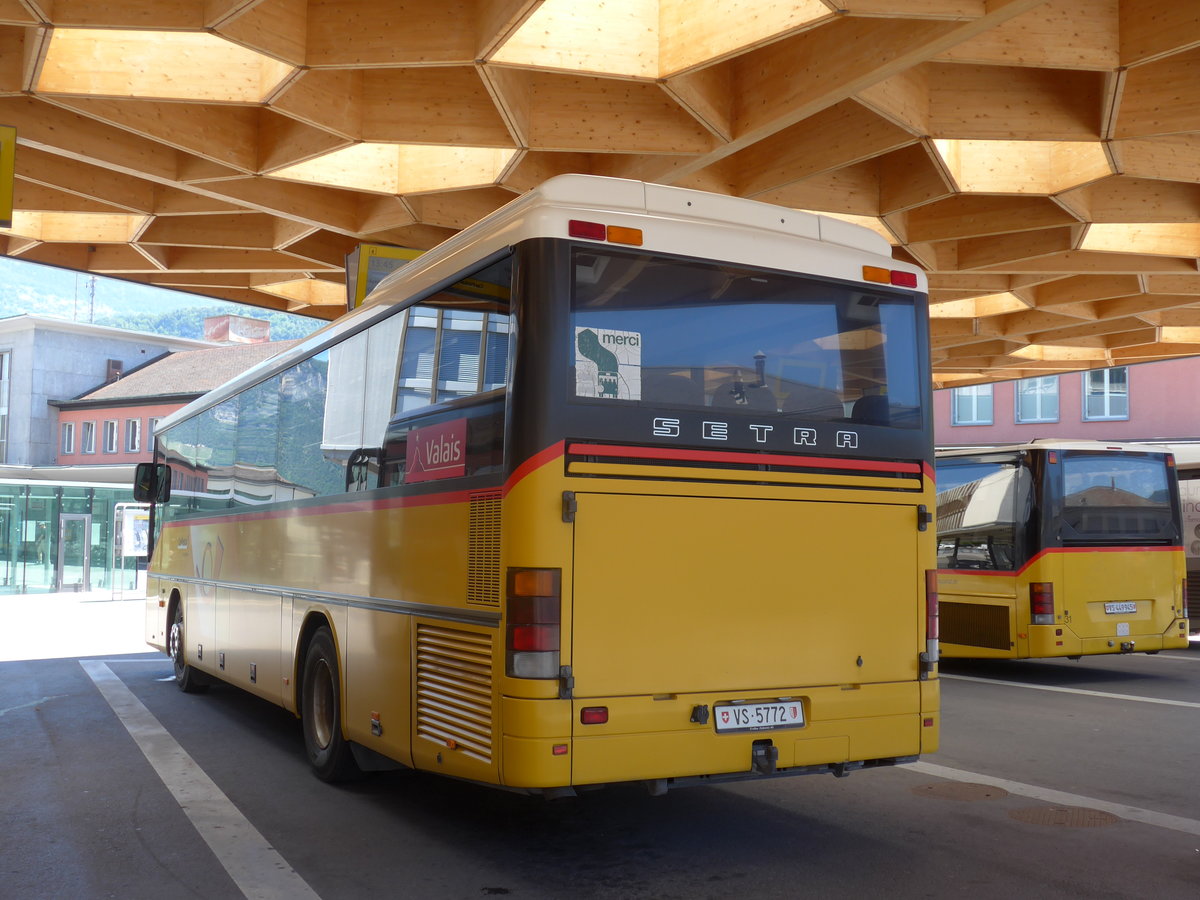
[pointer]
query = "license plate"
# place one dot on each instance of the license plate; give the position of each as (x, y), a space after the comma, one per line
(760, 716)
(1125, 606)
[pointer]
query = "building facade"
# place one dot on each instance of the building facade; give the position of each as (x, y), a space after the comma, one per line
(1157, 401)
(44, 359)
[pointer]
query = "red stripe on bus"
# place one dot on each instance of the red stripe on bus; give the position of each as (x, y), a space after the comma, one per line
(992, 573)
(539, 459)
(798, 462)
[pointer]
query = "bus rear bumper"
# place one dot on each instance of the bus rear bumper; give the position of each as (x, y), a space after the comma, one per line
(1043, 642)
(667, 741)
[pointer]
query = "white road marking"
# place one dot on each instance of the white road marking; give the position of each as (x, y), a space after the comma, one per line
(31, 703)
(1065, 690)
(258, 870)
(1061, 798)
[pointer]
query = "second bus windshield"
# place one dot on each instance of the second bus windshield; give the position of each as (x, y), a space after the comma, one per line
(679, 333)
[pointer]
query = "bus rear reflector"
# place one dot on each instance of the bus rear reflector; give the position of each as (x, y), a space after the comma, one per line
(1041, 603)
(931, 617)
(533, 623)
(593, 715)
(593, 231)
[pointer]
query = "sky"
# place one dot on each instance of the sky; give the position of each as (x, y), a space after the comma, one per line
(31, 288)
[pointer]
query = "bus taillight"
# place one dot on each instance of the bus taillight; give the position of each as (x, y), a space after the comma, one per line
(534, 617)
(931, 616)
(1041, 603)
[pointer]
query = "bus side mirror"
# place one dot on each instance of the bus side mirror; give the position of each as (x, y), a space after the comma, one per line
(152, 483)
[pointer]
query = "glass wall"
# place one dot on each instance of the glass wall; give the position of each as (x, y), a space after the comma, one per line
(59, 537)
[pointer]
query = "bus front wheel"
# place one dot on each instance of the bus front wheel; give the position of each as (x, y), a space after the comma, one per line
(187, 678)
(328, 751)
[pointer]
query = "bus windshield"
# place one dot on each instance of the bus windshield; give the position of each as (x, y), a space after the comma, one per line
(666, 332)
(1116, 497)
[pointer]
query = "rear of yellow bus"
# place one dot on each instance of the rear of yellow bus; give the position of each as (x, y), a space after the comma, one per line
(1113, 577)
(1060, 552)
(717, 531)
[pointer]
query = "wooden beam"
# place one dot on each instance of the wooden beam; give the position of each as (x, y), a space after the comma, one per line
(497, 20)
(277, 28)
(577, 112)
(62, 132)
(202, 259)
(708, 94)
(1125, 199)
(1085, 288)
(1159, 97)
(367, 34)
(1007, 249)
(325, 98)
(1151, 29)
(1085, 262)
(851, 189)
(836, 137)
(162, 15)
(225, 135)
(966, 216)
(1012, 103)
(1061, 34)
(325, 248)
(283, 141)
(910, 177)
(249, 231)
(86, 180)
(29, 196)
(458, 209)
(1175, 158)
(902, 99)
(326, 207)
(439, 105)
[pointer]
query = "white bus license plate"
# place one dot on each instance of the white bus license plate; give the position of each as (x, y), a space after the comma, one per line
(760, 716)
(1125, 606)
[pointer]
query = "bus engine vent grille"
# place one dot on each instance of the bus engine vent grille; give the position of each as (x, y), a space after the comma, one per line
(454, 690)
(974, 625)
(483, 556)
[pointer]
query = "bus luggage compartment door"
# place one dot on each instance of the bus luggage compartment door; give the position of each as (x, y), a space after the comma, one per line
(693, 594)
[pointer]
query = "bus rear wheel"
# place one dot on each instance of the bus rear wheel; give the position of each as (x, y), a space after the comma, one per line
(329, 753)
(187, 678)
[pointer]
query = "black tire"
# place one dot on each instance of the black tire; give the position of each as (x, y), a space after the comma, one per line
(329, 752)
(187, 678)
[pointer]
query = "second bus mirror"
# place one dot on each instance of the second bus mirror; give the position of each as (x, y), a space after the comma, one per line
(152, 483)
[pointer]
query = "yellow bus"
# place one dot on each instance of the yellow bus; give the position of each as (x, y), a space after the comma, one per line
(581, 496)
(1059, 548)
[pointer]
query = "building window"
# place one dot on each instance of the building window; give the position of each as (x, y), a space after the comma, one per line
(1106, 394)
(133, 435)
(87, 440)
(5, 366)
(1037, 399)
(971, 405)
(110, 436)
(67, 444)
(151, 427)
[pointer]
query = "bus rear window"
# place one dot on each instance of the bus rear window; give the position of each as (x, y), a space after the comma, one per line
(679, 334)
(1121, 497)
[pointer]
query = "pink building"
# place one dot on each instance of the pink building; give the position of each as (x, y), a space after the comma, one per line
(114, 424)
(1157, 401)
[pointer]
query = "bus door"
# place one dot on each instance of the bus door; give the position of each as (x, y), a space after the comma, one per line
(685, 594)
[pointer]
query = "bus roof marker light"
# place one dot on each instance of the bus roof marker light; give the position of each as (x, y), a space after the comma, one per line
(618, 234)
(877, 274)
(592, 231)
(904, 279)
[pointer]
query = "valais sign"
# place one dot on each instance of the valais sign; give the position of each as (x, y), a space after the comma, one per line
(439, 451)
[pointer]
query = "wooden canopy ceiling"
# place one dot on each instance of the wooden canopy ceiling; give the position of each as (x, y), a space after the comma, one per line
(1040, 158)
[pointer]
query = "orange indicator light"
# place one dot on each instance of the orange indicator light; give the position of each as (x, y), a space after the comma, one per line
(875, 273)
(620, 235)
